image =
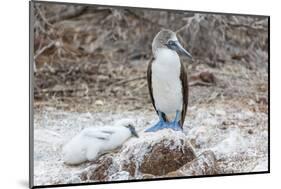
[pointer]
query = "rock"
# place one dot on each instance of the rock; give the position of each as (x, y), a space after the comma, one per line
(250, 131)
(262, 100)
(99, 102)
(228, 122)
(175, 174)
(162, 160)
(148, 176)
(220, 112)
(251, 102)
(204, 164)
(263, 87)
(122, 175)
(73, 179)
(100, 170)
(157, 153)
(199, 136)
(204, 78)
(207, 77)
(150, 156)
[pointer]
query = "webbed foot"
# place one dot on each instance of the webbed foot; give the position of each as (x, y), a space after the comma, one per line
(174, 125)
(158, 126)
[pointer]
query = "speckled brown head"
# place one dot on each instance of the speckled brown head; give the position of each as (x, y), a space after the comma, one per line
(168, 39)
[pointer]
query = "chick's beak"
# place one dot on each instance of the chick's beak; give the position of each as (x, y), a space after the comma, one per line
(135, 134)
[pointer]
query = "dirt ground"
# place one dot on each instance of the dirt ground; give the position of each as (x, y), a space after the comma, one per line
(229, 118)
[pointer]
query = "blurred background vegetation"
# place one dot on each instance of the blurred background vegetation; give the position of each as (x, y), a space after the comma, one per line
(95, 58)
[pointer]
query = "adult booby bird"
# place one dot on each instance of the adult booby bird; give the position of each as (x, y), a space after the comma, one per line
(167, 81)
(92, 142)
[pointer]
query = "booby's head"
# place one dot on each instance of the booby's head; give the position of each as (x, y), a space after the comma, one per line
(133, 130)
(167, 39)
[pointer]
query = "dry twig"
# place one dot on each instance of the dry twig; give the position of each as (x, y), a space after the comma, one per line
(39, 52)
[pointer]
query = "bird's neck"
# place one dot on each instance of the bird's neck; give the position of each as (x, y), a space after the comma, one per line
(167, 57)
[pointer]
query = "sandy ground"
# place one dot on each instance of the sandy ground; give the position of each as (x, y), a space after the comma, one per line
(230, 118)
(236, 135)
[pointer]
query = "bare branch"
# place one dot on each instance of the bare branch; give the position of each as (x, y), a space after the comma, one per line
(39, 52)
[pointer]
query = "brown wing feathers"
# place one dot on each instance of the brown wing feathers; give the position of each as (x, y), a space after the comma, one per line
(183, 78)
(149, 84)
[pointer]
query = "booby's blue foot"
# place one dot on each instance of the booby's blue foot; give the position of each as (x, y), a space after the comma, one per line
(158, 126)
(174, 125)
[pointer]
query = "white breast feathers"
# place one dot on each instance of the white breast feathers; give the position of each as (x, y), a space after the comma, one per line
(166, 84)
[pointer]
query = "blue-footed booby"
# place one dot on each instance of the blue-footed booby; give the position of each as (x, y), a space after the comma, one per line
(94, 141)
(167, 81)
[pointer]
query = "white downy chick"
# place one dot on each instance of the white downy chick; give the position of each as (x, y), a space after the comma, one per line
(94, 141)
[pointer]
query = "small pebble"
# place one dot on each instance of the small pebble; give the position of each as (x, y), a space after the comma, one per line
(251, 102)
(250, 131)
(99, 102)
(262, 100)
(220, 112)
(207, 77)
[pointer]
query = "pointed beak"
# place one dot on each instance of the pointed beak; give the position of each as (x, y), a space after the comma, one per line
(135, 134)
(182, 50)
(176, 46)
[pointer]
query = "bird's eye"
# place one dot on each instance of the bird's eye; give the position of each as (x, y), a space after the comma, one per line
(170, 42)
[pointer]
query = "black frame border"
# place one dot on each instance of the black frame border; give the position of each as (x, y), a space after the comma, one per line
(31, 97)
